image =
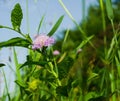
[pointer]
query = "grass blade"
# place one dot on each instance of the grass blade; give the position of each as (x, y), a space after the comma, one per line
(109, 10)
(55, 27)
(40, 24)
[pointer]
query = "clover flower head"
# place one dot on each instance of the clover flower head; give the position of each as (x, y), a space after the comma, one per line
(42, 41)
(56, 52)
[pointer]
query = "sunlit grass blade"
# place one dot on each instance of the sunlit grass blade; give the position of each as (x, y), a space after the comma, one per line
(55, 27)
(113, 86)
(70, 15)
(65, 38)
(109, 10)
(21, 84)
(16, 65)
(118, 65)
(84, 42)
(18, 74)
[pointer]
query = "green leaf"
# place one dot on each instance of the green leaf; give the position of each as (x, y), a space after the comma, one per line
(1, 26)
(40, 24)
(15, 42)
(118, 65)
(109, 10)
(40, 63)
(55, 27)
(16, 17)
(21, 84)
(99, 98)
(1, 64)
(84, 42)
(92, 76)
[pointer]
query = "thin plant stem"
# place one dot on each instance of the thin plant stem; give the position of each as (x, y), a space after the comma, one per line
(6, 86)
(83, 9)
(40, 24)
(14, 30)
(104, 25)
(103, 15)
(79, 28)
(65, 38)
(27, 17)
(113, 84)
(69, 14)
(16, 64)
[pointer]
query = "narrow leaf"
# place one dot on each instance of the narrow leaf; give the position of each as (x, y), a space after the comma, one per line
(16, 65)
(1, 26)
(16, 17)
(55, 27)
(40, 24)
(1, 64)
(15, 42)
(84, 42)
(21, 84)
(92, 76)
(109, 10)
(41, 63)
(118, 65)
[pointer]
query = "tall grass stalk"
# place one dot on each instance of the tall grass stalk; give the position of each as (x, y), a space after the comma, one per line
(112, 48)
(18, 74)
(84, 36)
(103, 24)
(6, 85)
(83, 9)
(72, 18)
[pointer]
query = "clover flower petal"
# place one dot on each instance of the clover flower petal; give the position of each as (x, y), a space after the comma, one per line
(41, 41)
(56, 52)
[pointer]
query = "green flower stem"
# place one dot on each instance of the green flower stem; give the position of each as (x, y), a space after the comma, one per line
(56, 69)
(113, 85)
(54, 73)
(103, 15)
(14, 30)
(104, 24)
(114, 32)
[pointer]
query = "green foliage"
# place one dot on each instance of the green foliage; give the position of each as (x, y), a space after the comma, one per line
(87, 69)
(40, 24)
(64, 67)
(109, 10)
(62, 91)
(1, 26)
(15, 42)
(40, 63)
(55, 27)
(1, 64)
(16, 17)
(21, 84)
